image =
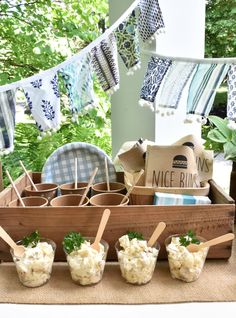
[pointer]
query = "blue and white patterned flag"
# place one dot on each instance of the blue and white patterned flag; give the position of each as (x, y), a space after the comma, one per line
(231, 103)
(78, 80)
(43, 98)
(7, 119)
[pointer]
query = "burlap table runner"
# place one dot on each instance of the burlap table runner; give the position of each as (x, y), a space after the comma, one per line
(216, 283)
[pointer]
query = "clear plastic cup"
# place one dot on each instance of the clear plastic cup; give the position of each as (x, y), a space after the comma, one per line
(87, 265)
(183, 264)
(34, 267)
(137, 270)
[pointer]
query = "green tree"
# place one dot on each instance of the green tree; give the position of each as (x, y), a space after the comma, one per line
(220, 28)
(37, 35)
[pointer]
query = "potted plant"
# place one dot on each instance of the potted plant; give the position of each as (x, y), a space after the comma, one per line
(222, 134)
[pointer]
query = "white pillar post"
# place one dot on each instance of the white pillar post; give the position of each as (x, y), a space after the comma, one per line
(184, 37)
(185, 25)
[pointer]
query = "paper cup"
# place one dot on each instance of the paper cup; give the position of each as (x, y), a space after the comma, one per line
(69, 188)
(115, 187)
(30, 201)
(108, 199)
(46, 190)
(69, 200)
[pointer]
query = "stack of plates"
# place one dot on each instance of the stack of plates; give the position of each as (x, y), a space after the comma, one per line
(59, 167)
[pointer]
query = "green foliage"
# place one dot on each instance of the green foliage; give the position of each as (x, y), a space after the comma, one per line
(223, 135)
(72, 241)
(37, 35)
(188, 238)
(31, 240)
(220, 35)
(137, 235)
(93, 128)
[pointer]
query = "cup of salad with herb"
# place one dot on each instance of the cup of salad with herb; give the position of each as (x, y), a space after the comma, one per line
(86, 264)
(34, 267)
(183, 264)
(136, 259)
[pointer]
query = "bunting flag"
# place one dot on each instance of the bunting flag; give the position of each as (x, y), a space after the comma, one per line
(231, 102)
(105, 64)
(174, 83)
(202, 90)
(155, 73)
(128, 43)
(43, 99)
(78, 80)
(7, 120)
(150, 19)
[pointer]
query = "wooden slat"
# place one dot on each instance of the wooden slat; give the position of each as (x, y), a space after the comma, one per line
(54, 223)
(208, 221)
(218, 195)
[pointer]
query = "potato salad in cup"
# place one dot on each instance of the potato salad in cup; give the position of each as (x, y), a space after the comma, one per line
(35, 265)
(137, 261)
(85, 263)
(185, 265)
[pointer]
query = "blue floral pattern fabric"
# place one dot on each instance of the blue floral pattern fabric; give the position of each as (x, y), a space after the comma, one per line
(7, 119)
(155, 73)
(150, 19)
(78, 80)
(43, 98)
(231, 102)
(105, 64)
(128, 42)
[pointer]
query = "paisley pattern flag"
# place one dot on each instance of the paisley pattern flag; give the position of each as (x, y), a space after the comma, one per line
(155, 73)
(7, 119)
(78, 80)
(128, 43)
(204, 84)
(105, 64)
(150, 19)
(231, 102)
(43, 99)
(174, 83)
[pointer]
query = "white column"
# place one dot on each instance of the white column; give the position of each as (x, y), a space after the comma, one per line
(185, 24)
(184, 37)
(129, 120)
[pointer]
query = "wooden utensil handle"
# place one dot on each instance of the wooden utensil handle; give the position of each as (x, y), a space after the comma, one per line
(28, 176)
(102, 225)
(218, 240)
(157, 232)
(131, 188)
(15, 188)
(7, 238)
(89, 185)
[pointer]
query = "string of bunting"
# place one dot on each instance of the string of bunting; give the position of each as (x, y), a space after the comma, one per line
(166, 78)
(100, 58)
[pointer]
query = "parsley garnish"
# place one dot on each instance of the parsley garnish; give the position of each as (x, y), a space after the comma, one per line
(189, 238)
(31, 240)
(72, 241)
(137, 235)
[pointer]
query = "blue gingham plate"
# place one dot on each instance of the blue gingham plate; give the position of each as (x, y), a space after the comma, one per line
(59, 167)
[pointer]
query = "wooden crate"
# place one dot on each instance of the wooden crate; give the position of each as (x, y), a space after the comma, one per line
(207, 221)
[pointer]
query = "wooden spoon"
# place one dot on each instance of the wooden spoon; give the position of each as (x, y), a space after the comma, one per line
(107, 175)
(131, 188)
(18, 249)
(159, 229)
(89, 185)
(220, 239)
(28, 176)
(75, 173)
(101, 228)
(15, 188)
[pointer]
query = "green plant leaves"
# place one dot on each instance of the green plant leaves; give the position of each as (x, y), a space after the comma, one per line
(217, 136)
(229, 151)
(221, 124)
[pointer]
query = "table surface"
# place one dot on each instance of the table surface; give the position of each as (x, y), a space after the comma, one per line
(194, 310)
